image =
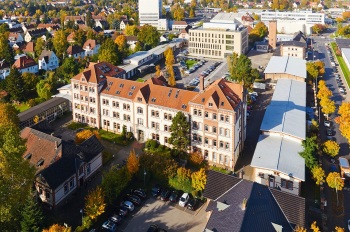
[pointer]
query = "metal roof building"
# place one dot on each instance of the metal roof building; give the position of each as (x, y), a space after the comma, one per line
(286, 65)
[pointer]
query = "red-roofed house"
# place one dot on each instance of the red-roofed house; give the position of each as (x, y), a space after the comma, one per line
(26, 64)
(179, 25)
(91, 47)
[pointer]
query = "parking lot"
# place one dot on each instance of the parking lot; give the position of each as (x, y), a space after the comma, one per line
(166, 215)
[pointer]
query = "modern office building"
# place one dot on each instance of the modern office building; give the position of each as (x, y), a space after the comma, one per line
(150, 12)
(219, 38)
(216, 114)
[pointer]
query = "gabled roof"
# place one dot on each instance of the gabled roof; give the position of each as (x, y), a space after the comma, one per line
(29, 47)
(37, 32)
(13, 35)
(179, 23)
(226, 95)
(48, 25)
(46, 55)
(24, 62)
(288, 65)
(263, 209)
(131, 38)
(71, 36)
(91, 43)
(74, 49)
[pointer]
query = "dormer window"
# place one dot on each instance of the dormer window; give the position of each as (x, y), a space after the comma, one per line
(210, 104)
(40, 163)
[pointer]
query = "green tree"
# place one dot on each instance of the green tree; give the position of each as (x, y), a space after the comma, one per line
(30, 81)
(114, 181)
(240, 68)
(312, 70)
(15, 85)
(32, 216)
(131, 30)
(149, 36)
(39, 46)
(79, 37)
(180, 128)
(182, 181)
(310, 146)
(60, 43)
(6, 51)
(43, 89)
(68, 69)
(88, 20)
(109, 52)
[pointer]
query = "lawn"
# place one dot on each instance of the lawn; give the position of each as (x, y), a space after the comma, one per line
(342, 64)
(140, 80)
(190, 63)
(22, 107)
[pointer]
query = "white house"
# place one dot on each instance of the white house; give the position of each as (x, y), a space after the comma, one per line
(4, 69)
(179, 25)
(123, 24)
(75, 51)
(26, 64)
(91, 47)
(33, 34)
(48, 60)
(15, 37)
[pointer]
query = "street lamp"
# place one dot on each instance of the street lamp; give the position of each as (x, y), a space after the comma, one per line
(144, 176)
(82, 216)
(336, 186)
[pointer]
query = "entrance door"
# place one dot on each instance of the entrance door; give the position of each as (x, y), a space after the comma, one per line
(141, 135)
(271, 181)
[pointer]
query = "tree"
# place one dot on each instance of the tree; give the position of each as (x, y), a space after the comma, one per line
(178, 12)
(312, 70)
(95, 203)
(32, 216)
(79, 37)
(6, 51)
(132, 163)
(344, 119)
(324, 93)
(15, 85)
(60, 43)
(335, 181)
(331, 148)
(180, 128)
(192, 12)
(39, 46)
(320, 66)
(43, 88)
(318, 28)
(318, 174)
(310, 146)
(68, 69)
(240, 68)
(122, 44)
(109, 52)
(171, 77)
(158, 70)
(346, 14)
(199, 180)
(339, 229)
(58, 228)
(169, 61)
(261, 30)
(114, 181)
(328, 106)
(314, 227)
(85, 134)
(88, 20)
(275, 5)
(131, 30)
(182, 181)
(149, 36)
(30, 80)
(300, 229)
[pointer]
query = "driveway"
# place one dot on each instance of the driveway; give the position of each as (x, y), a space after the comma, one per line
(167, 216)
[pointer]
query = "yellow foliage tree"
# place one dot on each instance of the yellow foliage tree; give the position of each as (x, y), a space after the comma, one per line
(300, 229)
(36, 119)
(318, 174)
(199, 179)
(339, 229)
(121, 42)
(132, 163)
(158, 70)
(331, 148)
(95, 203)
(344, 120)
(183, 173)
(321, 84)
(85, 134)
(196, 158)
(320, 66)
(324, 93)
(58, 228)
(335, 181)
(328, 106)
(314, 227)
(131, 30)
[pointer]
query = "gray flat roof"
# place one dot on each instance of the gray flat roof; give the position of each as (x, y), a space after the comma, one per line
(346, 52)
(279, 154)
(286, 113)
(286, 64)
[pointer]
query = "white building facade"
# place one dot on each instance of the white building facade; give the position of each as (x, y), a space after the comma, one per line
(150, 11)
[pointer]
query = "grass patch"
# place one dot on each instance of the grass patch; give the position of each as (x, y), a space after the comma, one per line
(140, 80)
(190, 63)
(22, 107)
(77, 125)
(114, 138)
(342, 64)
(218, 169)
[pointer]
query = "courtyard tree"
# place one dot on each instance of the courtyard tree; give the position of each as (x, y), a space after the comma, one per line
(114, 181)
(43, 88)
(58, 228)
(95, 203)
(331, 148)
(108, 52)
(85, 134)
(131, 30)
(132, 163)
(180, 129)
(30, 80)
(199, 180)
(335, 181)
(314, 227)
(158, 70)
(318, 174)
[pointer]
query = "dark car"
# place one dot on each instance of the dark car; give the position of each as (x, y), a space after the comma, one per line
(140, 193)
(192, 204)
(174, 196)
(156, 190)
(116, 219)
(164, 196)
(329, 132)
(153, 228)
(123, 211)
(134, 199)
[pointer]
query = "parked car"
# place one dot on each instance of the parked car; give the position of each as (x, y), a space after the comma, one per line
(164, 196)
(123, 211)
(129, 205)
(329, 132)
(153, 228)
(184, 199)
(156, 190)
(255, 94)
(141, 193)
(341, 90)
(134, 199)
(109, 226)
(174, 196)
(192, 204)
(327, 123)
(116, 219)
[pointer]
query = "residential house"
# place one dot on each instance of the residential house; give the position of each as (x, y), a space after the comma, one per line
(15, 37)
(216, 113)
(296, 5)
(235, 204)
(285, 67)
(276, 161)
(293, 48)
(29, 49)
(75, 51)
(75, 19)
(70, 38)
(91, 47)
(27, 27)
(179, 25)
(131, 41)
(247, 20)
(26, 64)
(62, 167)
(123, 24)
(50, 27)
(18, 45)
(35, 33)
(4, 69)
(48, 60)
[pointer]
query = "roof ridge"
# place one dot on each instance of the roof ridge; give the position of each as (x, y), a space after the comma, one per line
(229, 189)
(280, 207)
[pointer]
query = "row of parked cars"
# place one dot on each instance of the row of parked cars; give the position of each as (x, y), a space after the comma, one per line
(132, 199)
(335, 70)
(175, 196)
(193, 68)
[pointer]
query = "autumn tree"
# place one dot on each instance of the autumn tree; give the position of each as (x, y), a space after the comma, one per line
(169, 61)
(318, 28)
(324, 93)
(331, 148)
(32, 216)
(299, 229)
(158, 70)
(335, 181)
(339, 229)
(39, 46)
(182, 180)
(85, 134)
(43, 88)
(58, 228)
(30, 80)
(180, 128)
(196, 158)
(312, 70)
(314, 227)
(60, 43)
(149, 36)
(79, 37)
(327, 106)
(108, 52)
(95, 203)
(121, 43)
(260, 30)
(320, 66)
(132, 163)
(131, 30)
(199, 180)
(178, 12)
(344, 119)
(318, 174)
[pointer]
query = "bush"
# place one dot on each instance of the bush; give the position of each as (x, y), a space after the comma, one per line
(151, 145)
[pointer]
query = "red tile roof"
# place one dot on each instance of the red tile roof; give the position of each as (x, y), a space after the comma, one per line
(29, 47)
(91, 43)
(24, 62)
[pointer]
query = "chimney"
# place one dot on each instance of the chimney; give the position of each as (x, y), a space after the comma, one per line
(273, 34)
(244, 204)
(201, 83)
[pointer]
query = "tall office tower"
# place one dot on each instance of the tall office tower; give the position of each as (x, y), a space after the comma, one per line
(150, 11)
